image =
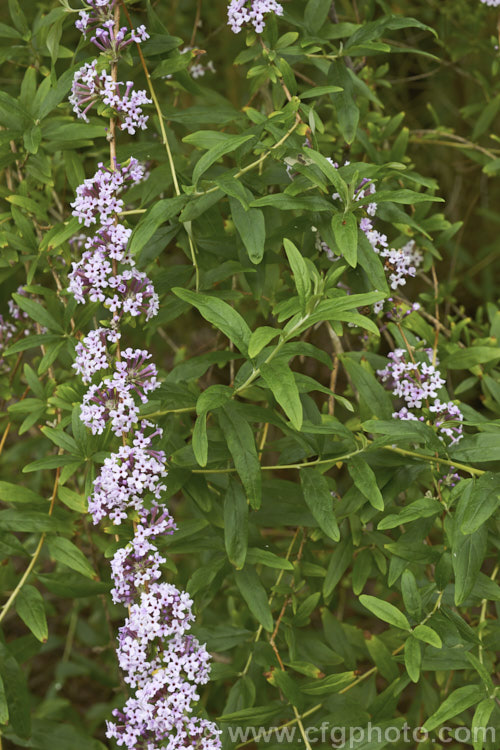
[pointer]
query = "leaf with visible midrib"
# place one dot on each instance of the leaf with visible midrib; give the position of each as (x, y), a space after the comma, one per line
(254, 593)
(385, 611)
(279, 379)
(221, 315)
(319, 501)
(31, 610)
(241, 443)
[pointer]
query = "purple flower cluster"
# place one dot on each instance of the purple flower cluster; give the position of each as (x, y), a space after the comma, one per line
(400, 264)
(161, 661)
(96, 276)
(242, 12)
(417, 383)
(91, 87)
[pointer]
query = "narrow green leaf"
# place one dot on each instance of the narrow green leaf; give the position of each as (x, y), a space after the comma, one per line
(459, 700)
(468, 552)
(16, 493)
(365, 480)
(37, 312)
(319, 501)
(331, 684)
(424, 507)
(413, 658)
(254, 593)
(340, 560)
(31, 610)
(64, 551)
(257, 556)
(200, 440)
(411, 595)
(221, 315)
(240, 441)
(279, 379)
(385, 611)
(299, 270)
(229, 144)
(236, 524)
(261, 338)
(345, 230)
(482, 503)
(251, 227)
(427, 635)
(16, 692)
(480, 721)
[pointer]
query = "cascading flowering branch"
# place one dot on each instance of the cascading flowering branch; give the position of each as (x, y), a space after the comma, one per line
(162, 662)
(417, 383)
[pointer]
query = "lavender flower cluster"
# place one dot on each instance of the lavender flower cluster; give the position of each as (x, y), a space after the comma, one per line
(417, 383)
(400, 264)
(242, 12)
(162, 662)
(92, 85)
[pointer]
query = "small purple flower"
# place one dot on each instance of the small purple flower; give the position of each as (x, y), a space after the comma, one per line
(242, 12)
(126, 478)
(97, 196)
(92, 352)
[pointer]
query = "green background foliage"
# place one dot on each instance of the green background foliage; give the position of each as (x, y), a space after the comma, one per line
(335, 576)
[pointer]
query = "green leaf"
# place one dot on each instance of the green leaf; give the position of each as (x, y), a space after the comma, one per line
(16, 493)
(411, 595)
(479, 448)
(30, 520)
(345, 230)
(16, 692)
(344, 102)
(315, 14)
(422, 508)
(252, 716)
(241, 444)
(37, 312)
(261, 338)
(213, 397)
(66, 552)
(299, 270)
(463, 359)
(482, 503)
(200, 440)
(331, 684)
(374, 396)
(51, 462)
(365, 480)
(459, 700)
(340, 560)
(413, 658)
(254, 593)
(4, 708)
(221, 315)
(236, 524)
(257, 556)
(279, 379)
(385, 611)
(31, 610)
(158, 214)
(427, 635)
(229, 144)
(319, 501)
(480, 721)
(468, 552)
(406, 196)
(251, 226)
(72, 500)
(32, 139)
